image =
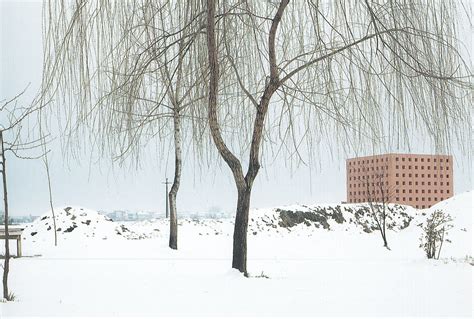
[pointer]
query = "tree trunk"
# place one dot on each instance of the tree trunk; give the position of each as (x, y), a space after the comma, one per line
(46, 163)
(6, 266)
(173, 244)
(239, 255)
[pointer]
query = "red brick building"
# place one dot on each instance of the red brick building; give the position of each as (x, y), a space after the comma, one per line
(410, 179)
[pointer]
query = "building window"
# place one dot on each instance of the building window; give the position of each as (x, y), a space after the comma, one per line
(416, 166)
(397, 191)
(428, 159)
(429, 199)
(409, 159)
(416, 183)
(416, 191)
(403, 159)
(396, 159)
(403, 166)
(417, 200)
(397, 175)
(422, 191)
(409, 183)
(403, 191)
(447, 192)
(403, 175)
(434, 175)
(396, 166)
(397, 183)
(422, 160)
(409, 166)
(429, 183)
(410, 199)
(422, 167)
(422, 183)
(416, 160)
(447, 176)
(410, 191)
(435, 183)
(403, 183)
(409, 175)
(398, 199)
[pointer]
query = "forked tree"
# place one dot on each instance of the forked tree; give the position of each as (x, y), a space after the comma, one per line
(358, 69)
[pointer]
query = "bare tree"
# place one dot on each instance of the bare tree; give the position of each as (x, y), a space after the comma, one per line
(368, 68)
(11, 142)
(378, 195)
(141, 85)
(435, 229)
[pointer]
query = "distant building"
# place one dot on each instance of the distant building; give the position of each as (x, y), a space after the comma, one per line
(410, 179)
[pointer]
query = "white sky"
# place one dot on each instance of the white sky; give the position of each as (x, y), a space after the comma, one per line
(98, 187)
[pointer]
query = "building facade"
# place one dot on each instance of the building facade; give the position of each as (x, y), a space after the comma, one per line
(409, 179)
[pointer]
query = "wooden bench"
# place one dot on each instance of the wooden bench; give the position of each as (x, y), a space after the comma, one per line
(14, 232)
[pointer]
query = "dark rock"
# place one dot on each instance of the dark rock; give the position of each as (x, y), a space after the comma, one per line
(34, 233)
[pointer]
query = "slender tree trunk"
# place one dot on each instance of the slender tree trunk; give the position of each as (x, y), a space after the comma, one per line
(46, 164)
(177, 179)
(6, 266)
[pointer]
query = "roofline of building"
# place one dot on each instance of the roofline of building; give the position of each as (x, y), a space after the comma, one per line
(399, 154)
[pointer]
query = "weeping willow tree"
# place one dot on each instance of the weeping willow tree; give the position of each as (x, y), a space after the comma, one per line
(124, 75)
(349, 70)
(287, 73)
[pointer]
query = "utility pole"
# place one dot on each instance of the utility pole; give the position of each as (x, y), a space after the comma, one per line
(167, 205)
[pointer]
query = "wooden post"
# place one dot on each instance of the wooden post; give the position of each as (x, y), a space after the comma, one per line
(18, 246)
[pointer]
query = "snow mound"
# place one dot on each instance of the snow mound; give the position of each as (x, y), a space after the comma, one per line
(75, 222)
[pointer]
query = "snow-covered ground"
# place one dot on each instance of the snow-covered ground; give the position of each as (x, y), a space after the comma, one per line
(321, 260)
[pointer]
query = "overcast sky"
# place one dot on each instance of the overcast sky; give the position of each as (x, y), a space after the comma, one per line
(98, 187)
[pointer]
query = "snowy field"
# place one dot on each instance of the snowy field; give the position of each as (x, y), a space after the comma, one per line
(101, 268)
